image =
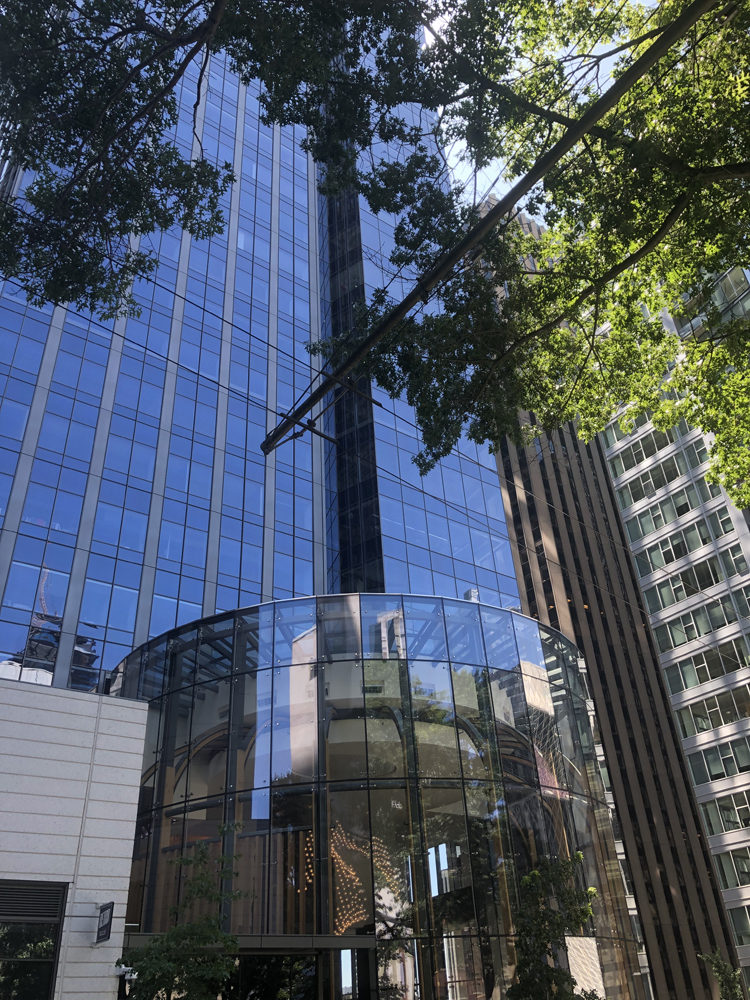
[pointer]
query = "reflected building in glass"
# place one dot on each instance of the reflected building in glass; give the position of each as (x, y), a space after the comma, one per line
(387, 768)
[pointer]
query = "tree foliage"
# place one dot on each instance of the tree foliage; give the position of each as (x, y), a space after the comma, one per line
(639, 216)
(196, 957)
(550, 907)
(90, 91)
(728, 978)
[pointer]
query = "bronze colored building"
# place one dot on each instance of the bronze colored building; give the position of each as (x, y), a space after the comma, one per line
(575, 574)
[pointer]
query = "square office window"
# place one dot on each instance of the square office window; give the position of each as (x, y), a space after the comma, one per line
(31, 916)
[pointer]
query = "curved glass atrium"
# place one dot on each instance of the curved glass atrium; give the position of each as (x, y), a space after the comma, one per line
(386, 767)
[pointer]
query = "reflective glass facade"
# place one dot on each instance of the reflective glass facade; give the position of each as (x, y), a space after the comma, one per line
(387, 767)
(133, 492)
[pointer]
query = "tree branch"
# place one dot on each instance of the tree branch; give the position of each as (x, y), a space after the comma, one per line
(669, 222)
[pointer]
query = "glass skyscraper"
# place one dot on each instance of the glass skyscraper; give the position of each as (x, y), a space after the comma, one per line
(134, 493)
(136, 500)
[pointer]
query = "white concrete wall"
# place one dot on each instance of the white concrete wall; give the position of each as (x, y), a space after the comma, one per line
(70, 767)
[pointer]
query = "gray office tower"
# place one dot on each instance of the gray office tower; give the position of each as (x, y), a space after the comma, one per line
(691, 549)
(396, 758)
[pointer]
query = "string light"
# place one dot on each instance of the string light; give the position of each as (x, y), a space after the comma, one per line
(350, 895)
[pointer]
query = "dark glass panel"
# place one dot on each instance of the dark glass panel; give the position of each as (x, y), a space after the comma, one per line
(499, 638)
(144, 830)
(295, 724)
(517, 757)
(152, 743)
(255, 638)
(425, 628)
(182, 658)
(384, 682)
(215, 650)
(570, 714)
(459, 971)
(350, 871)
(393, 845)
(209, 737)
(338, 628)
(398, 972)
(488, 837)
(346, 753)
(252, 843)
(291, 900)
(26, 980)
(163, 878)
(473, 719)
(448, 862)
(203, 826)
(383, 634)
(251, 709)
(276, 977)
(433, 720)
(465, 642)
(541, 712)
(561, 661)
(527, 828)
(593, 837)
(125, 679)
(28, 941)
(178, 710)
(154, 677)
(294, 632)
(502, 957)
(557, 823)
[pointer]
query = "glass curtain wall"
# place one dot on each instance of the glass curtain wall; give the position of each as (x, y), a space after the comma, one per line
(387, 768)
(389, 528)
(133, 492)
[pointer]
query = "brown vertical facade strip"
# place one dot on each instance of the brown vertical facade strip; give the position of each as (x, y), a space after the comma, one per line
(575, 572)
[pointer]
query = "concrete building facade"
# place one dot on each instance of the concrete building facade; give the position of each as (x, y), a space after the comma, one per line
(576, 574)
(70, 770)
(691, 551)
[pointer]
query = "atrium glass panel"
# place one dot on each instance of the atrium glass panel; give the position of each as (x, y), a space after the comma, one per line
(434, 719)
(252, 842)
(383, 634)
(378, 799)
(251, 705)
(425, 628)
(183, 658)
(465, 642)
(216, 650)
(448, 862)
(393, 842)
(386, 691)
(346, 752)
(350, 861)
(256, 639)
(517, 756)
(529, 642)
(473, 714)
(291, 898)
(295, 724)
(499, 638)
(209, 738)
(527, 826)
(398, 970)
(338, 628)
(178, 709)
(488, 851)
(294, 632)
